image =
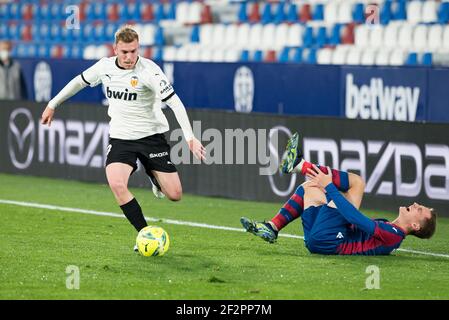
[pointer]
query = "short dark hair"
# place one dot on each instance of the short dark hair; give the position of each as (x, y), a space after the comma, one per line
(428, 227)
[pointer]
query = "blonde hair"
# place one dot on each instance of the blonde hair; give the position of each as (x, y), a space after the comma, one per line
(126, 34)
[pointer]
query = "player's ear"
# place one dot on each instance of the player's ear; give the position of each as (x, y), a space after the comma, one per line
(416, 226)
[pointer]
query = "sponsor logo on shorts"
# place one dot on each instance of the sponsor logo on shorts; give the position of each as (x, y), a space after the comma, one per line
(158, 155)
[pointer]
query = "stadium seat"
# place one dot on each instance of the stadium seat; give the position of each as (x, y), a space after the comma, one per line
(284, 55)
(443, 13)
(218, 35)
(159, 14)
(148, 35)
(435, 37)
(255, 36)
(279, 15)
(270, 56)
(311, 56)
(308, 37)
(257, 56)
(391, 34)
(339, 55)
(267, 16)
(244, 56)
(331, 14)
(353, 57)
(382, 57)
(171, 13)
(344, 12)
(305, 14)
(292, 13)
(321, 38)
(318, 13)
(195, 34)
(405, 37)
(298, 55)
(414, 11)
(281, 35)
(254, 16)
(194, 12)
(182, 12)
(206, 14)
(295, 35)
(230, 37)
(397, 57)
(243, 35)
(206, 55)
(401, 12)
(376, 35)
(205, 34)
(427, 59)
(159, 36)
(218, 55)
(146, 12)
(112, 12)
(324, 56)
(362, 35)
(445, 43)
(193, 53)
(358, 13)
(232, 55)
(268, 36)
(182, 53)
(335, 37)
(368, 57)
(412, 59)
(386, 13)
(243, 12)
(158, 53)
(429, 11)
(420, 37)
(169, 53)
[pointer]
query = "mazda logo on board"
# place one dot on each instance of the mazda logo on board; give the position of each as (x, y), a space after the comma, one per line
(21, 138)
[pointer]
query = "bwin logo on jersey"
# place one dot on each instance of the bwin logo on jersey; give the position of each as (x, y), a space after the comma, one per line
(128, 96)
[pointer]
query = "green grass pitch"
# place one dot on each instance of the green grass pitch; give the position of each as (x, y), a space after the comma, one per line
(37, 245)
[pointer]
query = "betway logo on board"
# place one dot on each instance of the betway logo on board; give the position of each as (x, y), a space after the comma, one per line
(380, 102)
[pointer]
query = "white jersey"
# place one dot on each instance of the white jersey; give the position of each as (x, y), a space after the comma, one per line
(134, 96)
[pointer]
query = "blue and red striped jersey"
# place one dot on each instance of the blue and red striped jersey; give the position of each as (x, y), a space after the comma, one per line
(386, 238)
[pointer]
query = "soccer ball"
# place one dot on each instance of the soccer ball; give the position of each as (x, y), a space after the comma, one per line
(152, 241)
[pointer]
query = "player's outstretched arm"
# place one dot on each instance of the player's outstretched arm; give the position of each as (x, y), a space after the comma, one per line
(73, 87)
(346, 209)
(179, 110)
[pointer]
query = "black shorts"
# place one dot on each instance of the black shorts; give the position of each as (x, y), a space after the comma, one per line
(152, 151)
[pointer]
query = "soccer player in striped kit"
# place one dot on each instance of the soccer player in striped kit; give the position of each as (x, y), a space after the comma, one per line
(328, 206)
(135, 88)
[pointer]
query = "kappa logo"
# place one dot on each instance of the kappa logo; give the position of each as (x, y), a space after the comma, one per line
(340, 235)
(158, 155)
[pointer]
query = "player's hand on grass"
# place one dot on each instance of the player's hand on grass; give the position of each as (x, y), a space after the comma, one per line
(318, 178)
(197, 149)
(47, 116)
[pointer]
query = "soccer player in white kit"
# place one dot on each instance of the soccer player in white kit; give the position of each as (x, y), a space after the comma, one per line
(135, 87)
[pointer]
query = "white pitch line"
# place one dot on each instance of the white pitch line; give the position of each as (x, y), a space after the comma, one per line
(171, 221)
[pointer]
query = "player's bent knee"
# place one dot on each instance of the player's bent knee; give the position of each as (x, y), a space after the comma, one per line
(118, 187)
(174, 195)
